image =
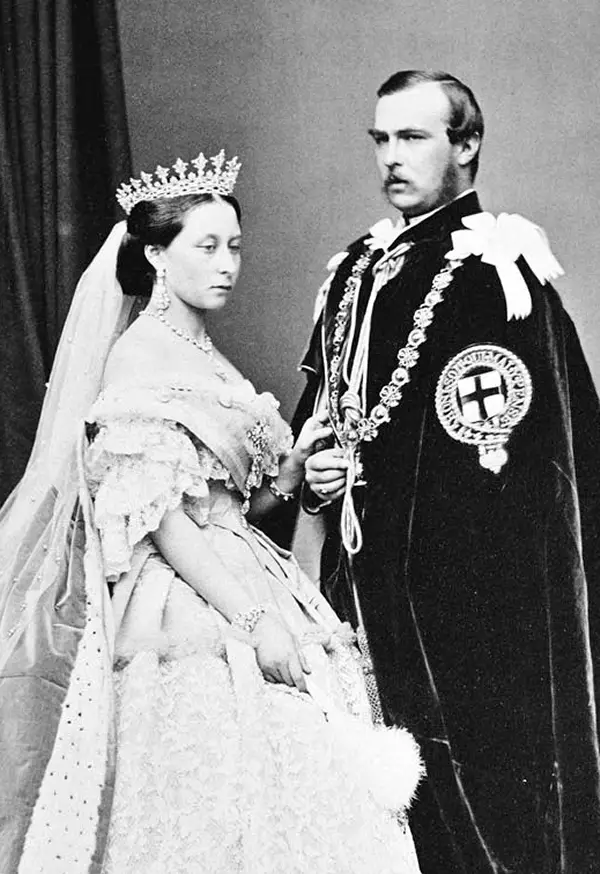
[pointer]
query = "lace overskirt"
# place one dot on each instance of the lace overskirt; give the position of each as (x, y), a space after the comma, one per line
(207, 784)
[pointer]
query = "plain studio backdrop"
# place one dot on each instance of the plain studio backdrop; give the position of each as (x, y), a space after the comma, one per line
(289, 86)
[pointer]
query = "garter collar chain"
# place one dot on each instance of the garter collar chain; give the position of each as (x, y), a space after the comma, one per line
(356, 427)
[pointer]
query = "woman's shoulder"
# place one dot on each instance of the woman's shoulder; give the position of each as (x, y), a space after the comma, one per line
(138, 371)
(135, 354)
(148, 376)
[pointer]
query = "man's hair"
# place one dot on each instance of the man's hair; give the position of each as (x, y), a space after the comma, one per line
(466, 118)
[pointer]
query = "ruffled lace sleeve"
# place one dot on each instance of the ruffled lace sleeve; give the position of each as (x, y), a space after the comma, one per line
(139, 469)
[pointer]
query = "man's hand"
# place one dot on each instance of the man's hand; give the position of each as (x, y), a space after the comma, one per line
(326, 474)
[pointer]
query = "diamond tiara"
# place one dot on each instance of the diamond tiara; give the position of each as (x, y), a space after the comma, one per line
(204, 179)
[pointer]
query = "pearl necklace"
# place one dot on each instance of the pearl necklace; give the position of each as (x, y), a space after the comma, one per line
(205, 345)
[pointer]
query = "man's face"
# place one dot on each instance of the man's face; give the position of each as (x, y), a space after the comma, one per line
(420, 168)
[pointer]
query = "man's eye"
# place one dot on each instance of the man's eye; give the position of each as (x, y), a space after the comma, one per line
(207, 247)
(235, 247)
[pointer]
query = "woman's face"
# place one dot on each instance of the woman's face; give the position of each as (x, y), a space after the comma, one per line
(203, 261)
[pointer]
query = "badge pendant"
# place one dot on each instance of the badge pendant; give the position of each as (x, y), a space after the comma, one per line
(481, 396)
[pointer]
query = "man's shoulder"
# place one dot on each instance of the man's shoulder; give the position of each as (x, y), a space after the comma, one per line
(510, 249)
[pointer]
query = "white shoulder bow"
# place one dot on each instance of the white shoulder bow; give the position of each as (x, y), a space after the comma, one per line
(500, 242)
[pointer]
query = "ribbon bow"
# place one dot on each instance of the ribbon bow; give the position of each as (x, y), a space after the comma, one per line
(500, 242)
(382, 234)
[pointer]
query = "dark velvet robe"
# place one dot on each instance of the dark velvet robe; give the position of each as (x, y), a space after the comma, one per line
(480, 591)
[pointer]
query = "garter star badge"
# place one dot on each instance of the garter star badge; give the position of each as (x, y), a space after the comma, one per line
(481, 396)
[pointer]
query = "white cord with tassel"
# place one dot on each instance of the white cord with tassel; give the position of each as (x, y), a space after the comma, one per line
(351, 531)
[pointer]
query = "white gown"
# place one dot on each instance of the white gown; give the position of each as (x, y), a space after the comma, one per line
(218, 771)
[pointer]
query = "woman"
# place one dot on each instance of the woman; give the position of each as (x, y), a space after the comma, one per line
(216, 769)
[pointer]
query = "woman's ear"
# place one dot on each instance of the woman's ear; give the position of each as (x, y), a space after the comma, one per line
(154, 256)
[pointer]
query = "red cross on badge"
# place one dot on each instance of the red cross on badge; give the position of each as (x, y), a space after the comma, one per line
(482, 395)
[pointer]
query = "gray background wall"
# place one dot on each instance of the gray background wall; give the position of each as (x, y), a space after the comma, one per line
(289, 86)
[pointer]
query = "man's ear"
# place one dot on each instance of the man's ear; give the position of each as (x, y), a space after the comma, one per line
(468, 149)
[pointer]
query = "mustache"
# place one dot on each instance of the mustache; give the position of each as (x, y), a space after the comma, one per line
(393, 180)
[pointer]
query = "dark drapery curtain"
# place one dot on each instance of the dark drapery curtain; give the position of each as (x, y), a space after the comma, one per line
(64, 147)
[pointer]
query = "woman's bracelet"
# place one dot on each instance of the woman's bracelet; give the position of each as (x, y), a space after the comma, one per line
(279, 493)
(247, 620)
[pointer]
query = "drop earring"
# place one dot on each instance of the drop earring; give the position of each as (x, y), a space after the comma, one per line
(160, 288)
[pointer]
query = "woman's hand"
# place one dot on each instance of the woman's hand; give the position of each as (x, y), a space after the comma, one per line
(314, 430)
(291, 469)
(326, 473)
(278, 655)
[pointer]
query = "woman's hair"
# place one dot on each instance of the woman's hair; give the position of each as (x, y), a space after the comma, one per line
(156, 223)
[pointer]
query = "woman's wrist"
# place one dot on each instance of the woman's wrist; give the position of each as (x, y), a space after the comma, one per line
(290, 475)
(293, 465)
(279, 493)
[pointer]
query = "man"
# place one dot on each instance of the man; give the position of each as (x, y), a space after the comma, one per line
(462, 498)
